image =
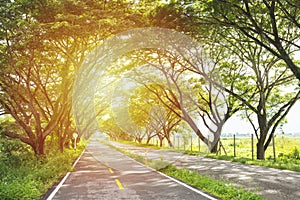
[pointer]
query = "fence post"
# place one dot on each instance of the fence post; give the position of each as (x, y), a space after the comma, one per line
(234, 151)
(252, 146)
(199, 144)
(178, 142)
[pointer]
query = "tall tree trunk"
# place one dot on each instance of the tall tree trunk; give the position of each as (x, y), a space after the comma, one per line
(214, 148)
(148, 140)
(161, 138)
(61, 145)
(139, 140)
(260, 150)
(169, 142)
(161, 142)
(40, 147)
(215, 143)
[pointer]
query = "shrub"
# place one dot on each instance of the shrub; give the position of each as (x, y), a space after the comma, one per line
(20, 188)
(295, 154)
(29, 177)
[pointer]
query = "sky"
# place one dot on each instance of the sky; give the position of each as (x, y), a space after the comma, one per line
(236, 125)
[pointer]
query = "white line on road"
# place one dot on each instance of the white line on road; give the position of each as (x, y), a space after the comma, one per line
(75, 163)
(50, 197)
(189, 187)
(58, 186)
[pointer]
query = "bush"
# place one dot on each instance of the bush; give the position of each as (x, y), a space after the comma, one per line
(295, 154)
(29, 177)
(20, 188)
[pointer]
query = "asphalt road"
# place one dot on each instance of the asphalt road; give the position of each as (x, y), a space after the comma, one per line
(103, 173)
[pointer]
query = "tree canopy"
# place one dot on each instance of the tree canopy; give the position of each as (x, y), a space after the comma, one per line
(250, 47)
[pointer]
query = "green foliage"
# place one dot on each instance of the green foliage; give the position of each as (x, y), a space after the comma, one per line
(295, 154)
(23, 176)
(12, 148)
(20, 189)
(12, 151)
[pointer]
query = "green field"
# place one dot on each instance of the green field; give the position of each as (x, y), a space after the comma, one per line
(287, 150)
(284, 146)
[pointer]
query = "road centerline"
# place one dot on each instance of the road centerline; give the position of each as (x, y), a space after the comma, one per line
(119, 184)
(110, 170)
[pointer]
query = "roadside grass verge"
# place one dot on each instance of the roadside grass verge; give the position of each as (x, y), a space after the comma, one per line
(288, 159)
(141, 144)
(222, 189)
(219, 188)
(281, 163)
(24, 176)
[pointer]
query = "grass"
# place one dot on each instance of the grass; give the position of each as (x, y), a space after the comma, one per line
(283, 163)
(284, 145)
(287, 151)
(286, 148)
(23, 176)
(222, 189)
(152, 146)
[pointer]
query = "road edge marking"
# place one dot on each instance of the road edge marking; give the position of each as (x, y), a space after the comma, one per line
(75, 163)
(188, 186)
(50, 197)
(58, 186)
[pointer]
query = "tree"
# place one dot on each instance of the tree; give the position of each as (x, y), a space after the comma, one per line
(251, 38)
(28, 81)
(183, 16)
(273, 25)
(259, 81)
(173, 90)
(43, 44)
(108, 126)
(73, 30)
(148, 111)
